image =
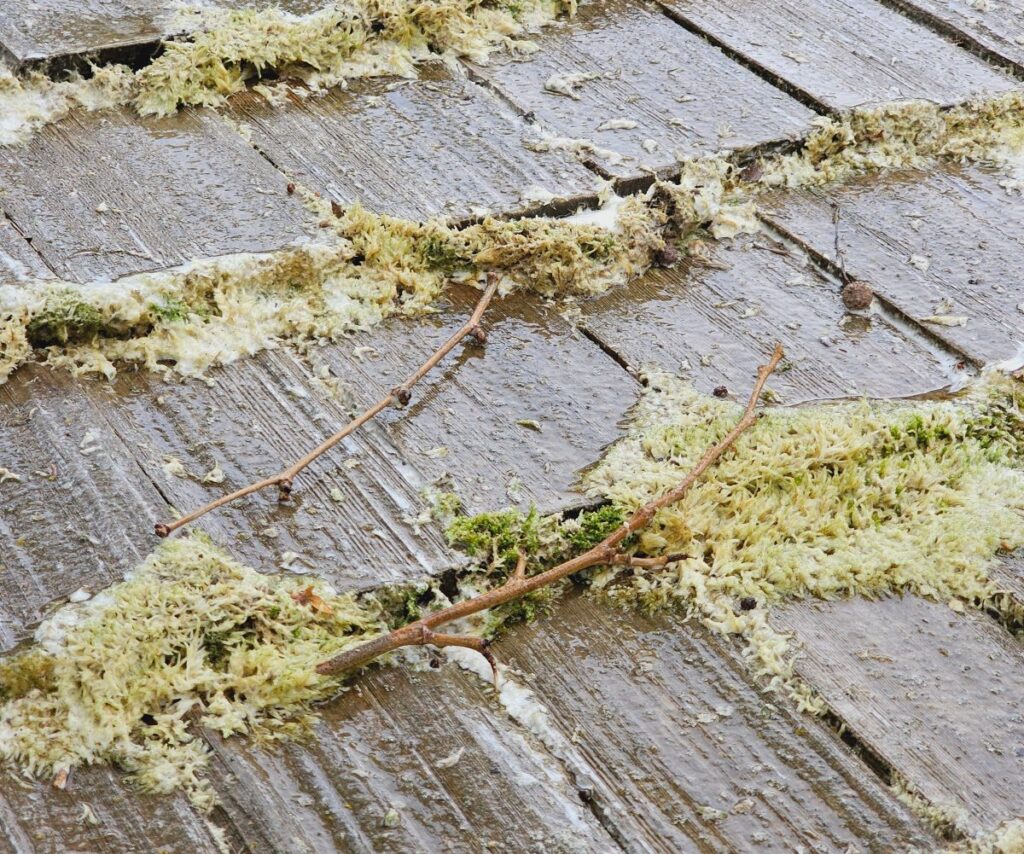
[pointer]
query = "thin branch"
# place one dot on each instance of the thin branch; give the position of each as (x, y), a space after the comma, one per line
(400, 395)
(608, 551)
(622, 559)
(520, 570)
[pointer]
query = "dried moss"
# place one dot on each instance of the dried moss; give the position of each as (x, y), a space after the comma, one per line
(862, 499)
(212, 312)
(227, 48)
(25, 671)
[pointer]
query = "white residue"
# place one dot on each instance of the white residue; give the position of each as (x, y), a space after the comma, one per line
(518, 701)
(567, 84)
(606, 216)
(617, 124)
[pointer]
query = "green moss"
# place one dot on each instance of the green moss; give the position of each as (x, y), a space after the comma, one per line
(594, 526)
(64, 318)
(23, 672)
(869, 498)
(190, 631)
(496, 538)
(170, 309)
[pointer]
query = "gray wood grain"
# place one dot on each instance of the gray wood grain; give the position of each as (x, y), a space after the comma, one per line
(350, 516)
(715, 324)
(434, 747)
(510, 423)
(996, 28)
(36, 818)
(935, 693)
(436, 146)
(685, 96)
(947, 242)
(665, 718)
(19, 262)
(106, 194)
(81, 514)
(844, 53)
(37, 30)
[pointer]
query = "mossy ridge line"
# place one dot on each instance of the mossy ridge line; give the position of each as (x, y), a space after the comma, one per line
(211, 312)
(224, 50)
(829, 500)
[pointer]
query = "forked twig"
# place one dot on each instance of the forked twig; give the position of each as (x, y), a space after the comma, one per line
(608, 551)
(400, 395)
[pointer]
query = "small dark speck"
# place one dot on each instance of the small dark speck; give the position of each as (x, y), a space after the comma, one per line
(720, 391)
(748, 603)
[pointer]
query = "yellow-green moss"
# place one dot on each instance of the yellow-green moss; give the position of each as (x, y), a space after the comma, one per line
(224, 49)
(192, 633)
(212, 312)
(861, 499)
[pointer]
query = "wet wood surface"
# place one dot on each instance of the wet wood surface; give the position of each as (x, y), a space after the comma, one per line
(683, 96)
(714, 321)
(407, 761)
(99, 813)
(933, 692)
(505, 424)
(946, 244)
(351, 516)
(436, 146)
(56, 30)
(687, 753)
(997, 28)
(30, 30)
(106, 194)
(78, 515)
(843, 53)
(19, 262)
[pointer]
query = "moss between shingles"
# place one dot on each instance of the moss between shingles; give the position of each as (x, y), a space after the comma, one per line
(852, 499)
(215, 311)
(863, 499)
(224, 49)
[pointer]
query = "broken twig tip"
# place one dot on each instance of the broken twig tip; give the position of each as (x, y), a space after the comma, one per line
(161, 530)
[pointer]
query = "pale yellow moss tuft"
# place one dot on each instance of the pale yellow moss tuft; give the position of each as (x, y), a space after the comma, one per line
(225, 49)
(863, 499)
(213, 312)
(191, 635)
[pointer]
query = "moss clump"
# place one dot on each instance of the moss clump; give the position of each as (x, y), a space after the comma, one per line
(495, 539)
(192, 633)
(22, 672)
(227, 48)
(854, 499)
(64, 318)
(593, 526)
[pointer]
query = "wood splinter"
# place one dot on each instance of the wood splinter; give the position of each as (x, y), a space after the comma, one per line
(399, 396)
(608, 552)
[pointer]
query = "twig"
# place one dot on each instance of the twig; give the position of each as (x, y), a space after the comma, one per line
(608, 551)
(400, 395)
(840, 252)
